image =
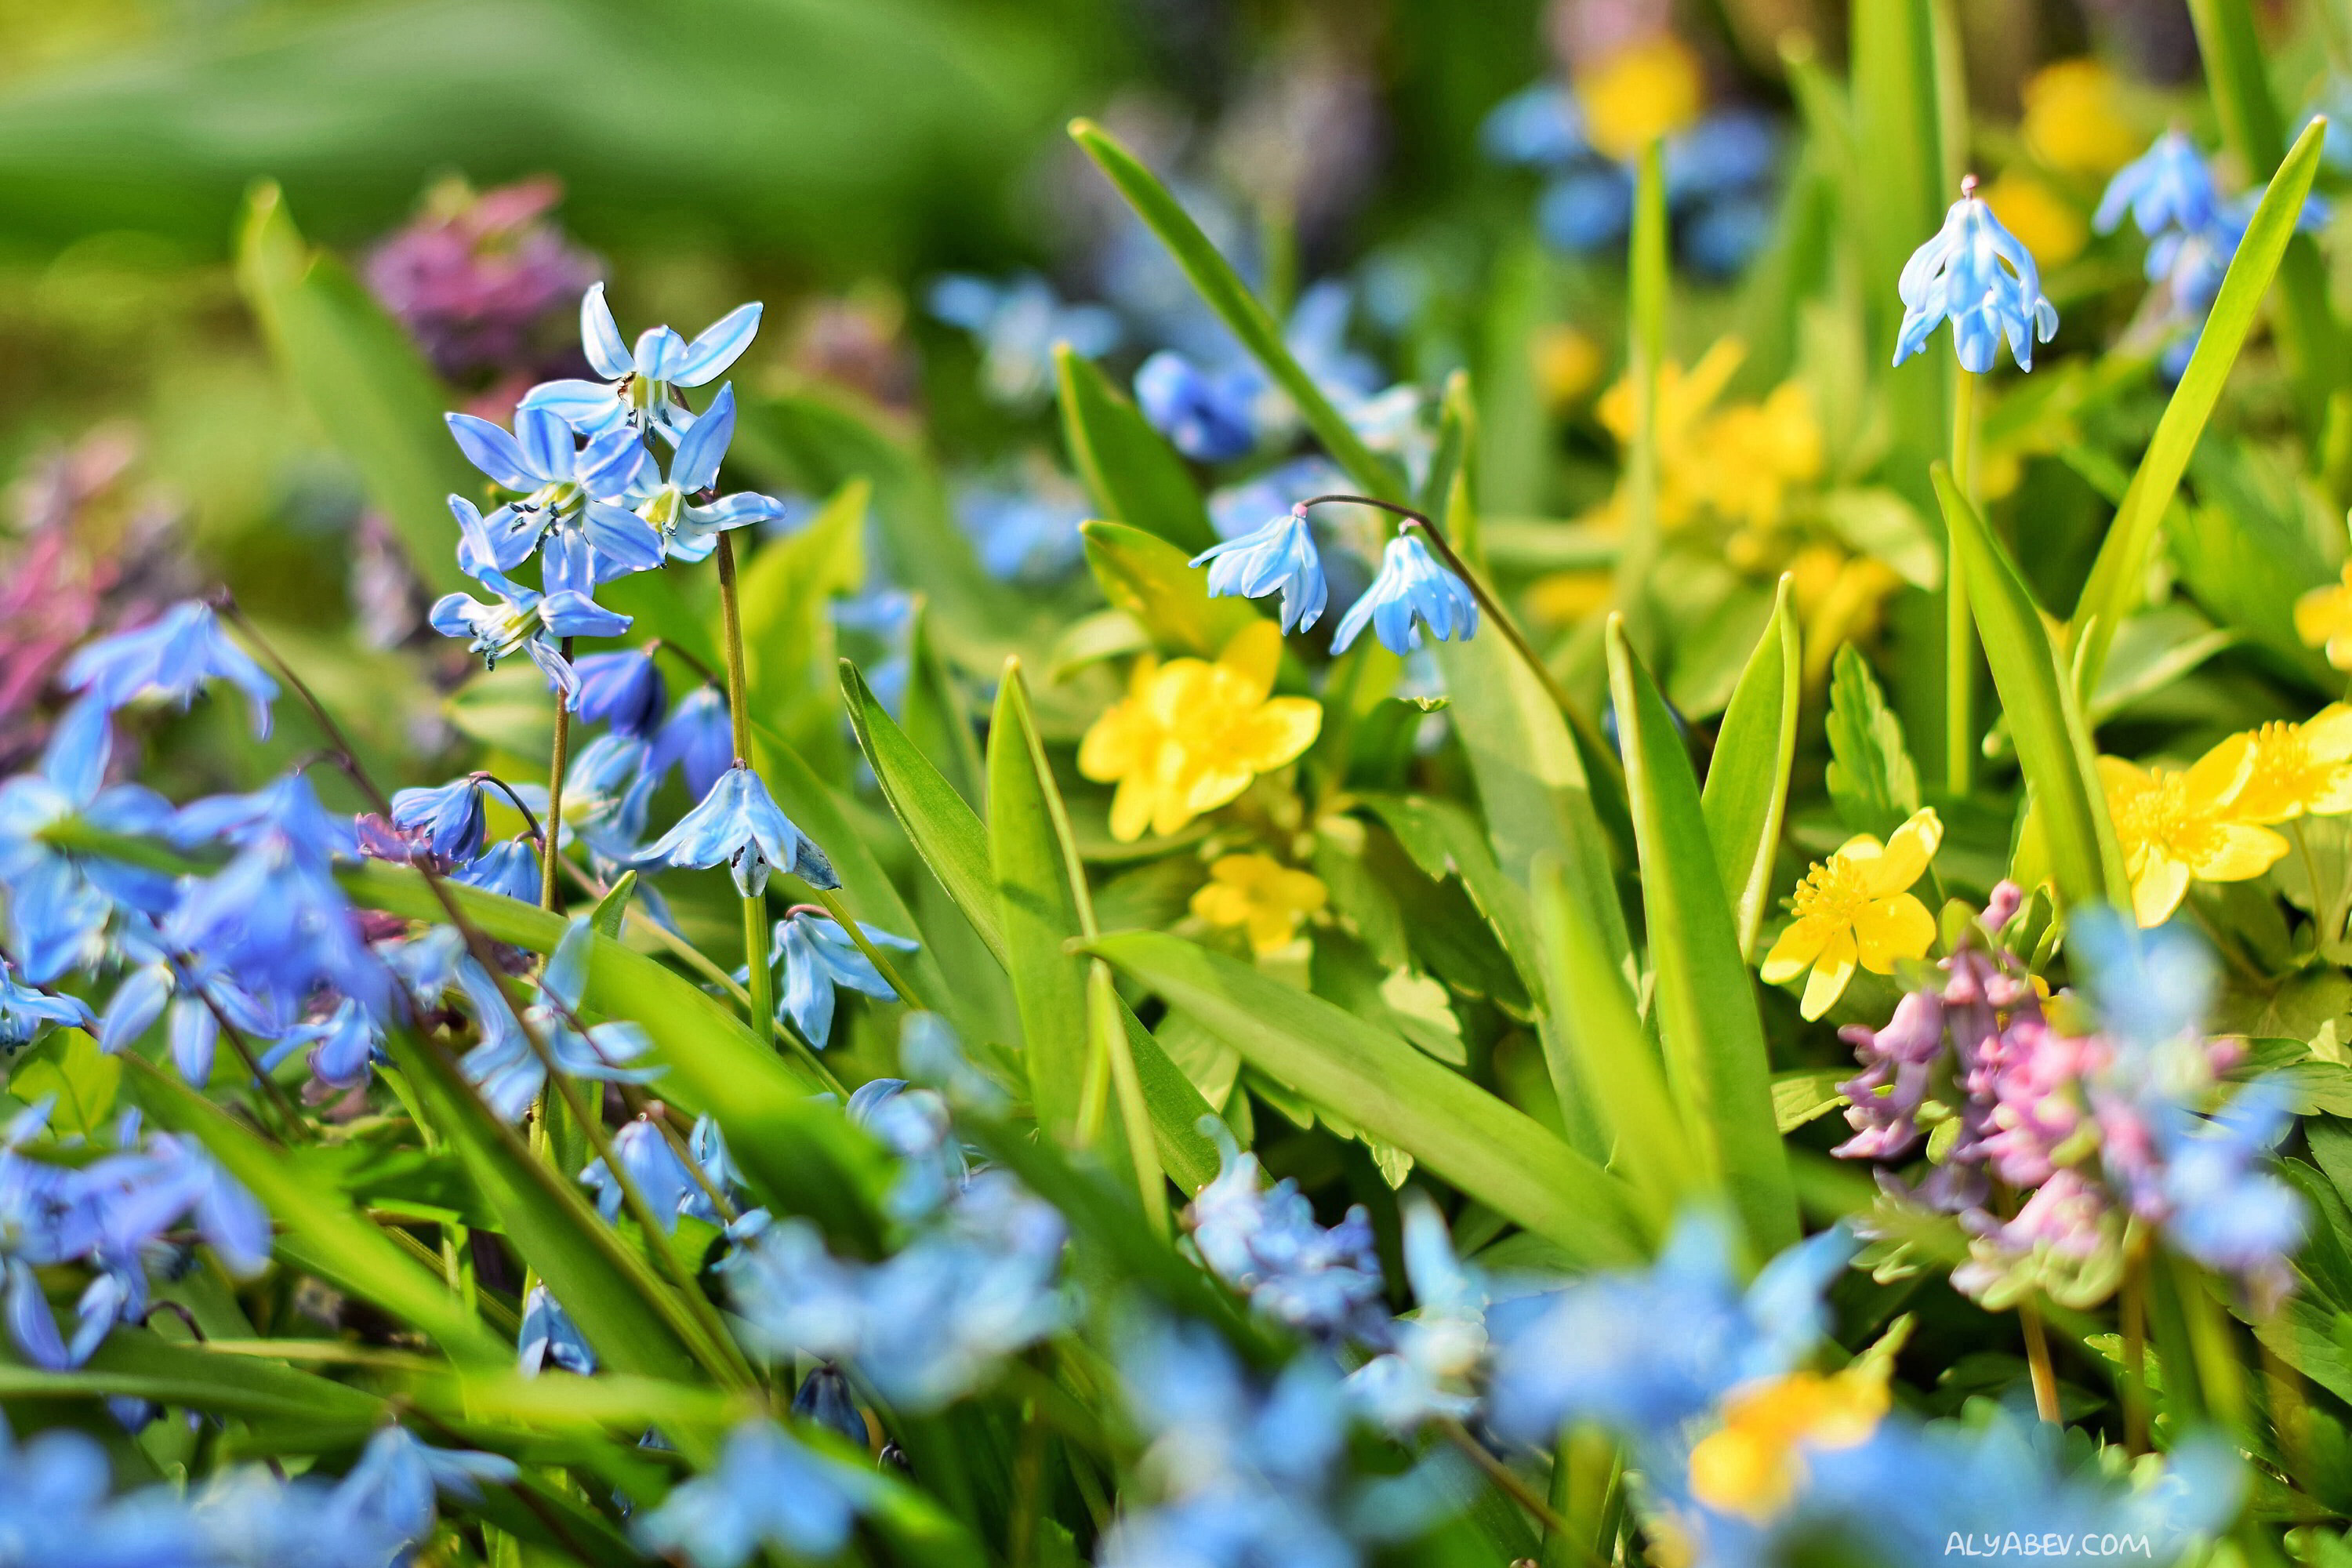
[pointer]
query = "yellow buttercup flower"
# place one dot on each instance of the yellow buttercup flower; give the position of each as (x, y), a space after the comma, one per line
(2299, 770)
(1260, 893)
(1640, 93)
(2075, 119)
(1754, 1464)
(2045, 221)
(1740, 462)
(2323, 619)
(1568, 364)
(1190, 735)
(2174, 823)
(1857, 907)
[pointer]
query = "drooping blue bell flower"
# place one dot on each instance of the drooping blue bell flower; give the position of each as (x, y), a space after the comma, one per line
(1279, 557)
(549, 1338)
(739, 826)
(768, 1490)
(523, 620)
(510, 868)
(660, 1176)
(605, 793)
(564, 490)
(824, 1398)
(60, 899)
(637, 393)
(817, 957)
(510, 1074)
(24, 1012)
(173, 657)
(1413, 591)
(450, 816)
(699, 738)
(2168, 186)
(1210, 416)
(1264, 1242)
(394, 1484)
(624, 690)
(1977, 275)
(1017, 323)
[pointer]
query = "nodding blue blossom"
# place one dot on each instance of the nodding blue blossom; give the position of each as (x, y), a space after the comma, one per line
(1279, 557)
(193, 993)
(770, 1490)
(2222, 1208)
(1975, 274)
(524, 620)
(2168, 186)
(173, 657)
(60, 899)
(605, 793)
(510, 1074)
(698, 737)
(510, 870)
(824, 1398)
(1442, 1346)
(395, 1482)
(449, 817)
(1018, 321)
(661, 1177)
(1265, 1243)
(1413, 591)
(638, 392)
(685, 509)
(818, 957)
(1024, 535)
(549, 1338)
(54, 1509)
(913, 1125)
(1209, 415)
(564, 490)
(25, 1012)
(342, 1045)
(1540, 126)
(738, 826)
(624, 690)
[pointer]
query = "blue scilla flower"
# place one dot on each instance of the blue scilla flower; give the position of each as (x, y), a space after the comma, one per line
(819, 957)
(770, 1490)
(246, 1518)
(394, 1484)
(1729, 152)
(173, 657)
(624, 690)
(564, 489)
(1265, 1243)
(1587, 208)
(193, 993)
(1411, 591)
(510, 868)
(1977, 275)
(1279, 557)
(55, 1511)
(697, 738)
(510, 1074)
(1540, 126)
(1210, 416)
(451, 817)
(738, 826)
(342, 1045)
(24, 1012)
(661, 1178)
(605, 793)
(522, 620)
(548, 1337)
(1023, 534)
(1018, 321)
(794, 1297)
(1724, 234)
(823, 1397)
(685, 509)
(2168, 186)
(915, 1126)
(2150, 988)
(1437, 1350)
(60, 899)
(638, 392)
(2223, 1207)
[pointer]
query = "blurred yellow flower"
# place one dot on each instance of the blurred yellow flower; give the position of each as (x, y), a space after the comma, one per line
(1568, 364)
(2046, 222)
(2175, 824)
(1753, 1464)
(2075, 121)
(1642, 92)
(1839, 598)
(2323, 619)
(1857, 906)
(1190, 735)
(2299, 770)
(1740, 462)
(1564, 598)
(1260, 893)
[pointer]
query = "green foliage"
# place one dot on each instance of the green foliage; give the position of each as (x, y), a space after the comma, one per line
(1871, 778)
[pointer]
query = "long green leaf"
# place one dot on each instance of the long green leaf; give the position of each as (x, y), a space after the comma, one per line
(140, 1365)
(1896, 204)
(1707, 1020)
(1234, 303)
(788, 589)
(1391, 1090)
(2119, 574)
(2053, 743)
(938, 719)
(1747, 778)
(1153, 581)
(1133, 474)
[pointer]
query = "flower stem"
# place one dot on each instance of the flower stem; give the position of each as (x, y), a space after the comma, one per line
(762, 985)
(1959, 633)
(558, 760)
(2037, 1360)
(2132, 1313)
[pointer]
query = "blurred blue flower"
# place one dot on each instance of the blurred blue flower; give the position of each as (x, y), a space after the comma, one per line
(1265, 1243)
(624, 690)
(1722, 236)
(769, 1490)
(606, 792)
(549, 1338)
(25, 1012)
(1730, 152)
(638, 392)
(1024, 535)
(697, 736)
(172, 657)
(1018, 321)
(524, 620)
(1588, 208)
(2168, 186)
(511, 1073)
(1280, 556)
(663, 1179)
(1411, 591)
(1210, 416)
(55, 1511)
(1959, 276)
(739, 826)
(818, 957)
(393, 1485)
(2150, 987)
(1540, 126)
(510, 868)
(564, 490)
(824, 1398)
(1438, 1349)
(342, 1045)
(2222, 1208)
(913, 1125)
(450, 816)
(59, 900)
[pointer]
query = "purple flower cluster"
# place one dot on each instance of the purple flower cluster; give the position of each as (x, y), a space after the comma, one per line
(476, 277)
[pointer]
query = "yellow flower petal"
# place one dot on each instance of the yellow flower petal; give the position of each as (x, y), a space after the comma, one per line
(1831, 972)
(2156, 888)
(1278, 734)
(2216, 777)
(2239, 850)
(1254, 653)
(1797, 947)
(1907, 853)
(1899, 927)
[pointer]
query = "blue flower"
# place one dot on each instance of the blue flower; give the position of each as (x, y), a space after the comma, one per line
(1540, 126)
(59, 900)
(549, 1338)
(2168, 186)
(342, 1045)
(1024, 535)
(2222, 1208)
(171, 656)
(823, 1397)
(195, 992)
(1440, 1348)
(1727, 154)
(1412, 591)
(450, 816)
(661, 1178)
(1587, 209)
(510, 1074)
(697, 736)
(769, 1490)
(689, 527)
(524, 620)
(25, 1012)
(818, 956)
(392, 1485)
(510, 868)
(55, 1511)
(1959, 276)
(1210, 416)
(605, 793)
(913, 1125)
(739, 826)
(1279, 556)
(624, 690)
(637, 393)
(1018, 322)
(567, 490)
(1265, 1243)
(2150, 988)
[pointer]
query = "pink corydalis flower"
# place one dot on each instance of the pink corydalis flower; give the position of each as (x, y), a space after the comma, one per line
(485, 280)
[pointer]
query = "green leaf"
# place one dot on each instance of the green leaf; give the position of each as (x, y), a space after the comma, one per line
(1385, 1087)
(2119, 574)
(1214, 277)
(362, 380)
(137, 1364)
(2053, 743)
(787, 588)
(1134, 475)
(1153, 581)
(1872, 781)
(318, 1231)
(1707, 1020)
(83, 1079)
(1747, 778)
(1803, 1094)
(612, 908)
(938, 718)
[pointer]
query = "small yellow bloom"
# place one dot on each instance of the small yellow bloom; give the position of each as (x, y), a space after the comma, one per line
(1642, 92)
(1754, 1463)
(1564, 598)
(2299, 770)
(1839, 598)
(1752, 455)
(2045, 221)
(2323, 619)
(2075, 119)
(1260, 893)
(1857, 906)
(2174, 823)
(1190, 735)
(1568, 364)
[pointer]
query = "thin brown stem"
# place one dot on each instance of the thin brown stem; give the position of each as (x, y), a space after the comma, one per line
(663, 644)
(484, 776)
(2037, 1360)
(2132, 1314)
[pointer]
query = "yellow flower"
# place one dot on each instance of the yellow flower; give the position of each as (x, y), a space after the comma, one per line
(1839, 598)
(1747, 457)
(1190, 735)
(1564, 598)
(2045, 221)
(2323, 619)
(2174, 823)
(2075, 119)
(1857, 906)
(1753, 1464)
(2299, 770)
(1260, 893)
(1640, 93)
(1568, 364)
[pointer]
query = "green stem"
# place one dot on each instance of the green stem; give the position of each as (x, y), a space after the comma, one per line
(2132, 1314)
(2037, 1360)
(558, 760)
(739, 712)
(1959, 633)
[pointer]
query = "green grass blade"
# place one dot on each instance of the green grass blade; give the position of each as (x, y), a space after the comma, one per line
(1391, 1090)
(1106, 1035)
(2120, 572)
(1747, 778)
(1898, 202)
(1650, 281)
(1707, 1020)
(937, 717)
(1241, 309)
(1153, 581)
(941, 826)
(1133, 474)
(2053, 743)
(136, 1364)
